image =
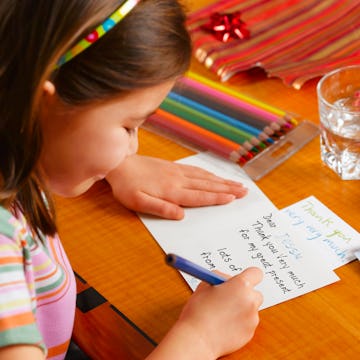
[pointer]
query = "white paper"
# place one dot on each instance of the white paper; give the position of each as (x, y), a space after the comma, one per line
(247, 232)
(330, 237)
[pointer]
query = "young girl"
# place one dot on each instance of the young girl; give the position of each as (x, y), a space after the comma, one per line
(71, 101)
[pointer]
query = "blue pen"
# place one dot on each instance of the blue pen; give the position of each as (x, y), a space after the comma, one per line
(193, 269)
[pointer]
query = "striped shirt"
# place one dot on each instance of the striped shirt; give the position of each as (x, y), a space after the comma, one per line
(37, 289)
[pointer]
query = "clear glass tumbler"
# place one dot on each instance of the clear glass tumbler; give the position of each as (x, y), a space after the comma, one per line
(339, 107)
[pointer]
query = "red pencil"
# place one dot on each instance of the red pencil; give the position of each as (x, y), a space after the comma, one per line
(200, 136)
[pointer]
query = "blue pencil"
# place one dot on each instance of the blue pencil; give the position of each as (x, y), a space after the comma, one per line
(193, 269)
(267, 130)
(214, 113)
(219, 105)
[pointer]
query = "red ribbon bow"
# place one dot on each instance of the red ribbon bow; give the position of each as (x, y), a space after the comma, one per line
(226, 26)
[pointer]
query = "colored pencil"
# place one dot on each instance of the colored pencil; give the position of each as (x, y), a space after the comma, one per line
(208, 122)
(224, 109)
(226, 105)
(257, 103)
(240, 101)
(265, 117)
(193, 269)
(220, 116)
(200, 136)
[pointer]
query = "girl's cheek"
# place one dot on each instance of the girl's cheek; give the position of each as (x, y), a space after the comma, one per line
(112, 151)
(126, 148)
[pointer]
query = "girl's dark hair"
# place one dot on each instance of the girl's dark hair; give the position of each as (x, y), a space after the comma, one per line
(149, 46)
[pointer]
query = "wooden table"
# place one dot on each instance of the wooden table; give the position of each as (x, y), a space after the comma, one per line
(131, 298)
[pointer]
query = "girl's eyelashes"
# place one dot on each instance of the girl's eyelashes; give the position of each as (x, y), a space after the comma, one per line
(130, 131)
(135, 124)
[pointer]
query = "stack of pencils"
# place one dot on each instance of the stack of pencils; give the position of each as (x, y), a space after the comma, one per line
(218, 119)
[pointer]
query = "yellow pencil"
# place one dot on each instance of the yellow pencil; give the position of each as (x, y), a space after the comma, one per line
(243, 97)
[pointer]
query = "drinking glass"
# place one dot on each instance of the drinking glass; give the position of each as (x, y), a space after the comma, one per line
(339, 108)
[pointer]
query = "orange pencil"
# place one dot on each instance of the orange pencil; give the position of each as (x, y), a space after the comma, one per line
(200, 136)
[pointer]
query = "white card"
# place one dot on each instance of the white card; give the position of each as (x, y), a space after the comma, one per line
(331, 238)
(247, 232)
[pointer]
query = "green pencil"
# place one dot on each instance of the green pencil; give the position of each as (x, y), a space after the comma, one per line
(208, 122)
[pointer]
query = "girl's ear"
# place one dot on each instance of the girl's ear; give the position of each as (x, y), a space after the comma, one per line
(49, 88)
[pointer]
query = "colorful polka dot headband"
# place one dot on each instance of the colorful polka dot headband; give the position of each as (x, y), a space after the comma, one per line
(100, 31)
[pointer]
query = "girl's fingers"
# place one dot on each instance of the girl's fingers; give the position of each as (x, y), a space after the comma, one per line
(148, 204)
(252, 276)
(194, 172)
(194, 198)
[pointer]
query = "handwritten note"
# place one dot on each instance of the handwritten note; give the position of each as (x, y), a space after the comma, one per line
(330, 237)
(247, 232)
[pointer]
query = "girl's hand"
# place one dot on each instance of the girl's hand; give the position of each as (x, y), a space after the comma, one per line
(161, 188)
(217, 320)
